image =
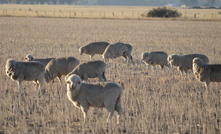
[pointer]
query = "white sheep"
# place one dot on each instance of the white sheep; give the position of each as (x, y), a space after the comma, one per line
(60, 66)
(117, 50)
(84, 95)
(184, 62)
(94, 48)
(91, 69)
(25, 71)
(44, 61)
(155, 58)
(206, 72)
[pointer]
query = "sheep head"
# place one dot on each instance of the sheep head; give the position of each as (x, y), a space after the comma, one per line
(73, 82)
(82, 50)
(146, 57)
(173, 59)
(197, 62)
(29, 57)
(10, 67)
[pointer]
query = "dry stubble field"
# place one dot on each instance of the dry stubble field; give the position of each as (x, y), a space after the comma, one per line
(154, 100)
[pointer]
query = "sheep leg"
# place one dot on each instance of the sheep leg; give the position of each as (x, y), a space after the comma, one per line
(106, 59)
(84, 110)
(110, 108)
(162, 66)
(207, 85)
(20, 86)
(100, 77)
(40, 82)
(185, 70)
(118, 108)
(110, 115)
(104, 77)
(37, 85)
(59, 77)
(91, 56)
(131, 59)
(85, 77)
(125, 56)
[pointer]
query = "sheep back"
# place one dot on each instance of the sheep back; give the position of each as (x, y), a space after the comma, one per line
(156, 57)
(106, 94)
(94, 48)
(184, 62)
(27, 71)
(115, 50)
(91, 68)
(206, 72)
(60, 66)
(43, 61)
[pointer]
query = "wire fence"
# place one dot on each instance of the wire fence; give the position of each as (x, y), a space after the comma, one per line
(124, 14)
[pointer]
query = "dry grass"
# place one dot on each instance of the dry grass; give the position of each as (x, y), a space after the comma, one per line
(154, 100)
(113, 12)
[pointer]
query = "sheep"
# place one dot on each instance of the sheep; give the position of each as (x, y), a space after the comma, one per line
(44, 61)
(94, 48)
(84, 95)
(25, 71)
(91, 69)
(117, 50)
(184, 62)
(60, 66)
(155, 58)
(206, 72)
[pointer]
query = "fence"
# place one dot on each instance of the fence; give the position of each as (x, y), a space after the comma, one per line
(103, 12)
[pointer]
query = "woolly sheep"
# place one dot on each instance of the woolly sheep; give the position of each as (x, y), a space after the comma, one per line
(206, 72)
(25, 71)
(84, 95)
(184, 62)
(44, 61)
(117, 50)
(155, 58)
(94, 48)
(60, 66)
(91, 69)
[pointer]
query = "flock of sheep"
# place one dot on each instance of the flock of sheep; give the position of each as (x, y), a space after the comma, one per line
(103, 94)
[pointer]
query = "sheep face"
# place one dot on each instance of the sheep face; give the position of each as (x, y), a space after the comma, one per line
(197, 61)
(146, 57)
(9, 71)
(73, 82)
(172, 60)
(9, 67)
(29, 58)
(82, 50)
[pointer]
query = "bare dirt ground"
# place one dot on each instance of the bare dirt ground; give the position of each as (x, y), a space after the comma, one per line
(154, 100)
